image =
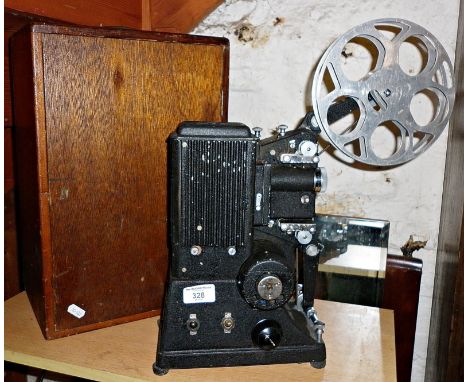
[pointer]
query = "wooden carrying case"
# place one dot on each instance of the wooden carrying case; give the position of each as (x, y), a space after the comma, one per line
(92, 111)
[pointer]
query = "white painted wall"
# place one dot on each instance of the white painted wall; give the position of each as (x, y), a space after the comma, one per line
(269, 85)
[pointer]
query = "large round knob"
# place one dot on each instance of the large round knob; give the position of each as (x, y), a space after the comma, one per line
(266, 279)
(267, 334)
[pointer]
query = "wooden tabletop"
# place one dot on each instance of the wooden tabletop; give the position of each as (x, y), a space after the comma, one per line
(360, 347)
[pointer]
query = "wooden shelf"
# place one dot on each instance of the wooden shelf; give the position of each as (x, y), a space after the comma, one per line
(360, 347)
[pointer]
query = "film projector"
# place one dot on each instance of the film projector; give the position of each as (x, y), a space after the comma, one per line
(245, 245)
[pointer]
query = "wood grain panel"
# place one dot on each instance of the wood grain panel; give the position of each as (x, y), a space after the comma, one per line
(90, 12)
(107, 164)
(105, 102)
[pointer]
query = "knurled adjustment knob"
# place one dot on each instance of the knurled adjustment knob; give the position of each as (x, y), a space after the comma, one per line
(267, 334)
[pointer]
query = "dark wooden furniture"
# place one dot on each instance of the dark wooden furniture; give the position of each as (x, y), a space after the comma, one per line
(12, 283)
(401, 294)
(93, 109)
(157, 15)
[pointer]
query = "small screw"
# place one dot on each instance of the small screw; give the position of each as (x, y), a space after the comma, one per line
(319, 335)
(271, 223)
(312, 250)
(282, 130)
(272, 152)
(314, 121)
(286, 158)
(195, 250)
(388, 92)
(305, 199)
(232, 251)
(257, 131)
(64, 194)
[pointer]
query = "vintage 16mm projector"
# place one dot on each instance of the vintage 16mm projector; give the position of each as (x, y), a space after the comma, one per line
(244, 245)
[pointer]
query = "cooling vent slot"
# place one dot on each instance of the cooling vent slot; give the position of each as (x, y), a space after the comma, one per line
(216, 182)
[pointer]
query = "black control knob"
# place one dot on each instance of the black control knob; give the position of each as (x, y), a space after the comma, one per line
(267, 334)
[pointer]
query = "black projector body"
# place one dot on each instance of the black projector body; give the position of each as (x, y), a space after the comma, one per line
(244, 253)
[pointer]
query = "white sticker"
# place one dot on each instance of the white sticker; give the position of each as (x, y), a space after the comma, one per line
(199, 294)
(76, 311)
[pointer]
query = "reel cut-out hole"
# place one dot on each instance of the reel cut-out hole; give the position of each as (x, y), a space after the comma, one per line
(448, 73)
(343, 115)
(327, 85)
(438, 78)
(413, 56)
(420, 140)
(443, 76)
(424, 107)
(388, 31)
(358, 58)
(376, 100)
(353, 148)
(387, 139)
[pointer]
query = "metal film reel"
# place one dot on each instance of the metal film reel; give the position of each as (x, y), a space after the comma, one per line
(383, 95)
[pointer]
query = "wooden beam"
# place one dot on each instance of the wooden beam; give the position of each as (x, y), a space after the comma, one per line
(125, 13)
(146, 15)
(179, 16)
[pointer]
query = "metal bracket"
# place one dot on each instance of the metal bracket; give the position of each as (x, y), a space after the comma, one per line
(318, 326)
(291, 227)
(298, 158)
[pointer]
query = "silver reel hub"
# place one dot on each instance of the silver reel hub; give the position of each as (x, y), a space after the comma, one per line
(384, 94)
